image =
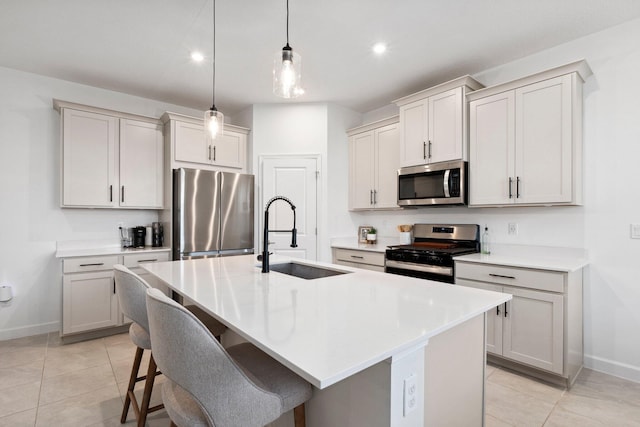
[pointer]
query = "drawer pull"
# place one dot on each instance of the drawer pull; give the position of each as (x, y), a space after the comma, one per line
(500, 275)
(92, 265)
(357, 256)
(148, 260)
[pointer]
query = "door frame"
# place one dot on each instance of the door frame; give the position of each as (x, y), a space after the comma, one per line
(259, 211)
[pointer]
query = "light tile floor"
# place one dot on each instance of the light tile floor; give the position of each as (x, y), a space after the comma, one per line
(45, 383)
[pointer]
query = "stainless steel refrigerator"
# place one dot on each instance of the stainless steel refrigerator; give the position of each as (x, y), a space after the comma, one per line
(212, 213)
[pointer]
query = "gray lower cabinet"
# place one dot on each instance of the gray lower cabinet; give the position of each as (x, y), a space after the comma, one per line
(541, 327)
(89, 292)
(369, 260)
(89, 299)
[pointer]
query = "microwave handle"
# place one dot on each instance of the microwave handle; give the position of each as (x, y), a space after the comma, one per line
(445, 183)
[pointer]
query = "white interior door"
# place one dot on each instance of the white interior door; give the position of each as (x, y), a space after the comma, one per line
(296, 179)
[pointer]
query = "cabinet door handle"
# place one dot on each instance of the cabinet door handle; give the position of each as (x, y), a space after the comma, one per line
(111, 193)
(505, 309)
(517, 187)
(429, 149)
(424, 150)
(370, 197)
(92, 265)
(214, 153)
(500, 275)
(209, 152)
(510, 185)
(357, 257)
(375, 197)
(148, 260)
(498, 310)
(123, 194)
(114, 285)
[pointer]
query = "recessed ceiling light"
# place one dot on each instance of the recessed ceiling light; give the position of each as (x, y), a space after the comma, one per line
(197, 56)
(379, 48)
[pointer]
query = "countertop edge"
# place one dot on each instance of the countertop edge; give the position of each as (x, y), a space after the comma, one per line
(75, 253)
(564, 266)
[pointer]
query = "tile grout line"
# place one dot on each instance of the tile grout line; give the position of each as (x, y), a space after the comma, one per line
(44, 362)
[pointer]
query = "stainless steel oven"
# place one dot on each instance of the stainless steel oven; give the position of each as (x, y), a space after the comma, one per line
(442, 183)
(431, 254)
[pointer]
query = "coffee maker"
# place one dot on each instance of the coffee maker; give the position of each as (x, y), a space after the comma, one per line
(139, 234)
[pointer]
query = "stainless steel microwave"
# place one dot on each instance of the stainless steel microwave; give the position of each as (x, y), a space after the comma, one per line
(443, 183)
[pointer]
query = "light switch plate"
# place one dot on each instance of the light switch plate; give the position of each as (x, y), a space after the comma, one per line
(635, 231)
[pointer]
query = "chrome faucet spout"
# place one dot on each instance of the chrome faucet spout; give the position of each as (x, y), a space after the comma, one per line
(265, 234)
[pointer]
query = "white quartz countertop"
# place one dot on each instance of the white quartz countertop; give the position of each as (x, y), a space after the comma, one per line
(324, 329)
(79, 248)
(538, 257)
(352, 243)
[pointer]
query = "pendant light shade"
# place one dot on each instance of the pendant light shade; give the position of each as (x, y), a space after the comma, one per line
(213, 119)
(213, 123)
(287, 67)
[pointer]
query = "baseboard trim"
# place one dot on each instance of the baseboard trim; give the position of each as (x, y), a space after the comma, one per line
(27, 331)
(611, 367)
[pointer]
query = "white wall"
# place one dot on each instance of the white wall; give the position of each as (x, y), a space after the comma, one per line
(611, 197)
(31, 220)
(314, 128)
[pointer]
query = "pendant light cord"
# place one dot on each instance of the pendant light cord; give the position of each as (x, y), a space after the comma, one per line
(213, 106)
(287, 23)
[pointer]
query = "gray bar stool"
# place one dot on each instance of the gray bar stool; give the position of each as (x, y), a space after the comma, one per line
(131, 290)
(208, 385)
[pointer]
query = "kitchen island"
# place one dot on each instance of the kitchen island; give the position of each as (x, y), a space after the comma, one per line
(379, 349)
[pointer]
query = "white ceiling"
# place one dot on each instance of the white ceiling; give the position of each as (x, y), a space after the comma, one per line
(142, 47)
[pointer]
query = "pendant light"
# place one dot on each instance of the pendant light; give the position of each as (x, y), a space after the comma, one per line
(286, 70)
(213, 119)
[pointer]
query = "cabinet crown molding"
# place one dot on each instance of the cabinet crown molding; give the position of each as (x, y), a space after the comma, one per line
(466, 81)
(373, 125)
(581, 68)
(167, 116)
(59, 105)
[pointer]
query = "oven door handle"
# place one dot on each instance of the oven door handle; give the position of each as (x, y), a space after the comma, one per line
(435, 269)
(445, 183)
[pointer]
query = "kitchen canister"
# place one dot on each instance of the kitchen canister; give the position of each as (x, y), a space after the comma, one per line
(148, 238)
(405, 237)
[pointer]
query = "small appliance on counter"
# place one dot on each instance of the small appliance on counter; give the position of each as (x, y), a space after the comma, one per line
(158, 234)
(126, 237)
(139, 234)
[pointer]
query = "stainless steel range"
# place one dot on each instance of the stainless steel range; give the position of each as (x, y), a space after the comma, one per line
(431, 254)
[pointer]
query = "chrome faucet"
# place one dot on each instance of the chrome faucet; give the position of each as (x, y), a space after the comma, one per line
(265, 243)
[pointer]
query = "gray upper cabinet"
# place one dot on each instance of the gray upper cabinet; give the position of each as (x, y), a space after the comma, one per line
(526, 140)
(433, 123)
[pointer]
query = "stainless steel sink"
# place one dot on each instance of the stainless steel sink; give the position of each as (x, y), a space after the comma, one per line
(305, 271)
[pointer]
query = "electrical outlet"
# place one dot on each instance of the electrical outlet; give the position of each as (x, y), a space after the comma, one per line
(410, 394)
(513, 228)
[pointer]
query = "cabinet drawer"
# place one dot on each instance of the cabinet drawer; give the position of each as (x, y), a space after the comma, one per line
(134, 260)
(552, 281)
(360, 257)
(95, 263)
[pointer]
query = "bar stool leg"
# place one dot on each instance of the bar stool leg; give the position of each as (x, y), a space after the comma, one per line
(299, 416)
(132, 383)
(148, 388)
